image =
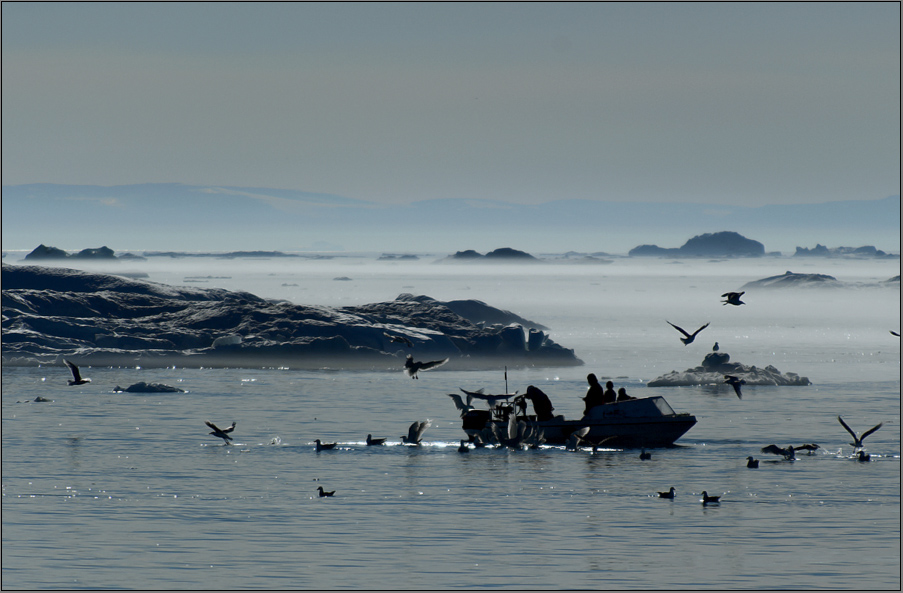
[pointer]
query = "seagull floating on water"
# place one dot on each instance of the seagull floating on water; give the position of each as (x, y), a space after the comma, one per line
(733, 298)
(76, 376)
(715, 347)
(735, 382)
(324, 446)
(323, 493)
(644, 455)
(371, 441)
(399, 339)
(668, 494)
(415, 432)
(222, 433)
(857, 439)
(412, 367)
(863, 456)
(706, 499)
(752, 463)
(689, 337)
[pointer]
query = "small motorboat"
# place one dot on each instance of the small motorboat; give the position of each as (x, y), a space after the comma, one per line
(642, 422)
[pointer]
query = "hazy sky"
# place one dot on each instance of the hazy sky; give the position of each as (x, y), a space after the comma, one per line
(753, 103)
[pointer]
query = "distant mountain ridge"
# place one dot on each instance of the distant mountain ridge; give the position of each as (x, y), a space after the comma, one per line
(172, 216)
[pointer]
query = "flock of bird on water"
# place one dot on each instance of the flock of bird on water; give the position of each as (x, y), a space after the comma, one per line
(417, 428)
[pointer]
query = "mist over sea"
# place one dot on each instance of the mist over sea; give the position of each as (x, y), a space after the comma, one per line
(114, 490)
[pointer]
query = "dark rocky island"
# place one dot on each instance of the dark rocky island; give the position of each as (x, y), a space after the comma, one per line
(502, 254)
(101, 319)
(866, 251)
(723, 244)
(716, 365)
(43, 252)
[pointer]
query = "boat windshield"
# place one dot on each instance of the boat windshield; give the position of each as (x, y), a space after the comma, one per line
(662, 405)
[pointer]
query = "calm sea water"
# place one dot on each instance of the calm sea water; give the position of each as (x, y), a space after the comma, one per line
(128, 490)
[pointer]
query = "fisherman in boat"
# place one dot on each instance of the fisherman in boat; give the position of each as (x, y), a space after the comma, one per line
(542, 405)
(609, 396)
(595, 395)
(622, 395)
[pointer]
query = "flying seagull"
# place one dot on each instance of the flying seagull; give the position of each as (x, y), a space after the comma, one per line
(735, 382)
(323, 493)
(689, 338)
(399, 339)
(463, 408)
(371, 441)
(706, 499)
(857, 439)
(733, 298)
(222, 433)
(576, 438)
(412, 367)
(491, 399)
(76, 376)
(415, 432)
(668, 494)
(752, 463)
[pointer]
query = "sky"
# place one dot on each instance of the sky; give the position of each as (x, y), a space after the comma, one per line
(720, 103)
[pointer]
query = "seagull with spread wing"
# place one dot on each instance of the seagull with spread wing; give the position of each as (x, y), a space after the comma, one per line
(858, 438)
(412, 367)
(76, 376)
(222, 433)
(415, 432)
(689, 337)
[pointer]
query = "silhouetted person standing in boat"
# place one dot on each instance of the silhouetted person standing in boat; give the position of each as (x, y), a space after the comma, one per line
(622, 395)
(542, 405)
(595, 395)
(609, 396)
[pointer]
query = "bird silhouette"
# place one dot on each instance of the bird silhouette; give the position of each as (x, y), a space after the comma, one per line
(324, 493)
(715, 347)
(645, 455)
(463, 408)
(689, 337)
(371, 441)
(894, 333)
(491, 399)
(415, 432)
(576, 438)
(222, 433)
(735, 382)
(733, 298)
(412, 367)
(752, 463)
(668, 494)
(863, 456)
(790, 452)
(324, 446)
(858, 438)
(399, 339)
(706, 499)
(76, 376)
